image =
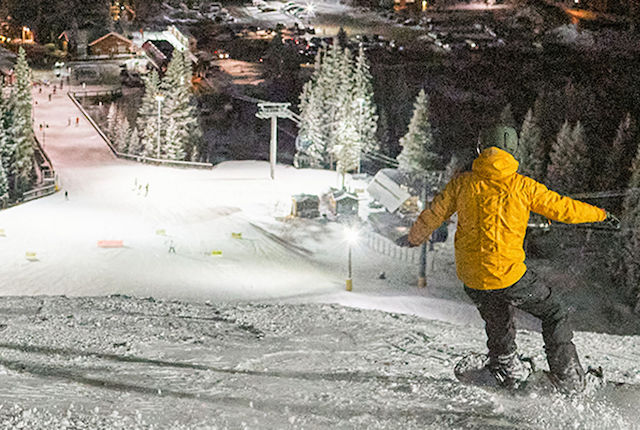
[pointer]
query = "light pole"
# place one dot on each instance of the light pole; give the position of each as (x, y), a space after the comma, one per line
(352, 237)
(159, 99)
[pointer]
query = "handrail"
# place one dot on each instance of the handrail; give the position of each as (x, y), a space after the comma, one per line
(176, 163)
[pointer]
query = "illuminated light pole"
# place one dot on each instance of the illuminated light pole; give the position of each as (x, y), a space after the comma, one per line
(159, 99)
(352, 237)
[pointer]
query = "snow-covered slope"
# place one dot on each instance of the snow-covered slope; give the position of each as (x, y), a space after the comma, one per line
(242, 332)
(120, 362)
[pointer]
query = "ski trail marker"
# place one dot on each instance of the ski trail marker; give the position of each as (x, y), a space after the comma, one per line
(236, 235)
(31, 256)
(110, 244)
(216, 253)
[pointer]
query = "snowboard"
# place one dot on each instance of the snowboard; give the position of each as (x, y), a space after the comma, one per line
(472, 370)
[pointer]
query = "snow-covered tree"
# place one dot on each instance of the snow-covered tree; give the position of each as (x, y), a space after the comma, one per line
(122, 134)
(148, 113)
(179, 103)
(417, 145)
(309, 134)
(4, 185)
(112, 117)
(148, 141)
(569, 167)
(22, 88)
(363, 106)
(531, 149)
(4, 181)
(337, 110)
(21, 133)
(134, 142)
(174, 148)
(346, 144)
(506, 117)
(614, 174)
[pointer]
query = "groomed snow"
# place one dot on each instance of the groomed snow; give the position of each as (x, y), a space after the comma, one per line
(249, 338)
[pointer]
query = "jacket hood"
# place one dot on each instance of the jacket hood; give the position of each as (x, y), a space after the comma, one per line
(494, 163)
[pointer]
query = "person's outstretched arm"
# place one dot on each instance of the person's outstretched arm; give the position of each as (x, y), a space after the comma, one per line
(440, 209)
(562, 208)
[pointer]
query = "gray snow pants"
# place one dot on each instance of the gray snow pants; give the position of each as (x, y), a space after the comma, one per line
(528, 294)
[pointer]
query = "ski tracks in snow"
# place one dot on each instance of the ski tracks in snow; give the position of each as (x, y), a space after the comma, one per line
(194, 365)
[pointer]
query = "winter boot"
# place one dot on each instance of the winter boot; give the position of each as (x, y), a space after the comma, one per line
(571, 380)
(509, 370)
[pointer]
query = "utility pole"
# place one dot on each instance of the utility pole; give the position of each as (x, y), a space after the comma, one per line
(273, 111)
(422, 276)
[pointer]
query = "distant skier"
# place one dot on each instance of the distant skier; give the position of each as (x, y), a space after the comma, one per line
(172, 248)
(493, 203)
(66, 195)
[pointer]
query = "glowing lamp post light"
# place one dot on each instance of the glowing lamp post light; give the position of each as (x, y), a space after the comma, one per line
(351, 235)
(159, 99)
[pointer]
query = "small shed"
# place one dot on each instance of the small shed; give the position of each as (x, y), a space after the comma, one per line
(343, 203)
(305, 206)
(111, 44)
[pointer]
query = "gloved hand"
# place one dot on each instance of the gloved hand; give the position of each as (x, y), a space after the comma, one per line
(403, 241)
(612, 221)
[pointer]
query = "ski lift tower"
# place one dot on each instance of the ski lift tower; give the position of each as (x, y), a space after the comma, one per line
(274, 111)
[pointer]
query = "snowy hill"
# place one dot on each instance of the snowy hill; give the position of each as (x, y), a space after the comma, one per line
(119, 362)
(247, 324)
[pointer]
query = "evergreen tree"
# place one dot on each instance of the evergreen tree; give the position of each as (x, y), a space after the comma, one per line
(417, 145)
(310, 134)
(148, 141)
(134, 142)
(112, 117)
(4, 186)
(148, 114)
(614, 174)
(531, 152)
(364, 107)
(122, 133)
(506, 117)
(346, 140)
(4, 181)
(22, 164)
(22, 167)
(174, 150)
(179, 104)
(568, 169)
(332, 101)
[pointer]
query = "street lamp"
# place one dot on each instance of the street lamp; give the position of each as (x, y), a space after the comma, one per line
(351, 234)
(159, 99)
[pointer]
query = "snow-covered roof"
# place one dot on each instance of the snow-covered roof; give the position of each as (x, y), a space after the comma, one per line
(112, 34)
(387, 191)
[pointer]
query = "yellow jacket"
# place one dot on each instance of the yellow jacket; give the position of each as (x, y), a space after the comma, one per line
(493, 204)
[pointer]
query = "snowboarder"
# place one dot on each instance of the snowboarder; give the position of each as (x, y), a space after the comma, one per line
(493, 203)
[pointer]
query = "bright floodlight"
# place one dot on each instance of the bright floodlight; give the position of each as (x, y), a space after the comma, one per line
(311, 8)
(351, 234)
(159, 97)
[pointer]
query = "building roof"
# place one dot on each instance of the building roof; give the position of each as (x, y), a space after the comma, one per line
(343, 195)
(162, 47)
(112, 34)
